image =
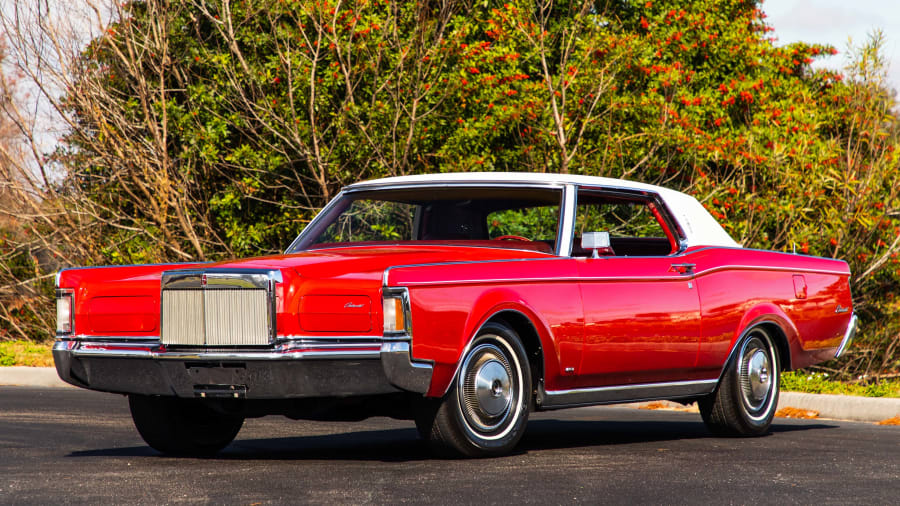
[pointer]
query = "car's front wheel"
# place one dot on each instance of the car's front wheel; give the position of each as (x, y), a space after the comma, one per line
(747, 396)
(486, 410)
(182, 426)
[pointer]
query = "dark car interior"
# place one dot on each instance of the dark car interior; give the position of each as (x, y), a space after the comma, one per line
(629, 246)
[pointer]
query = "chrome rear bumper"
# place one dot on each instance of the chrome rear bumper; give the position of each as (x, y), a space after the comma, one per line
(287, 370)
(848, 336)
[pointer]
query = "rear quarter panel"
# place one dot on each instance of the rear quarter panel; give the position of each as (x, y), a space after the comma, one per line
(741, 287)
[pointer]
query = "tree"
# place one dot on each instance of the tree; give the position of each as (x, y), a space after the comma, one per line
(21, 296)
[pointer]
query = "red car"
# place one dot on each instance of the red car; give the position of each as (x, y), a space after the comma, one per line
(463, 302)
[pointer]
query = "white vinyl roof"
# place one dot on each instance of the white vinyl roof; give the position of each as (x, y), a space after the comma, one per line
(699, 227)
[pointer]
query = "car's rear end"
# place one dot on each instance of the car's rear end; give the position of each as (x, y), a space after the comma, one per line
(230, 332)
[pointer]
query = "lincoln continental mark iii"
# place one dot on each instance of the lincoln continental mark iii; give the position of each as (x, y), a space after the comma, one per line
(463, 302)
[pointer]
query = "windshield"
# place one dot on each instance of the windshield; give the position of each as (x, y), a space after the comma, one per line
(523, 218)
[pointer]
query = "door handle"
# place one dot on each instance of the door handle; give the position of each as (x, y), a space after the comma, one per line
(682, 268)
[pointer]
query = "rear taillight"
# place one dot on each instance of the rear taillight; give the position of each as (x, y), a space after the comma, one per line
(64, 311)
(395, 307)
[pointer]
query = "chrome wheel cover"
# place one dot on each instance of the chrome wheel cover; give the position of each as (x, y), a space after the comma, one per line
(758, 375)
(492, 387)
(490, 391)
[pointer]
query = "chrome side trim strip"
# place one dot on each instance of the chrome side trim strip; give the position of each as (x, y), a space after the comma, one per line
(331, 345)
(670, 277)
(849, 335)
(768, 268)
(384, 277)
(282, 339)
(109, 339)
(547, 280)
(327, 339)
(555, 399)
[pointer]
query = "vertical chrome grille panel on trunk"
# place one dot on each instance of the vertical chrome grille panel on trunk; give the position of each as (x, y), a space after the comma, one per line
(217, 307)
(236, 317)
(182, 317)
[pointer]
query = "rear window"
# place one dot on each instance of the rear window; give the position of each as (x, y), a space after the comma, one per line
(508, 217)
(372, 220)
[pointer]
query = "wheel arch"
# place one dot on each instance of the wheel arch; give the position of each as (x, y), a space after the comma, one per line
(781, 343)
(522, 320)
(528, 334)
(778, 325)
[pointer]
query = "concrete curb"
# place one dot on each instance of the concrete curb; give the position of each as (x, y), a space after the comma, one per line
(835, 407)
(31, 377)
(838, 407)
(843, 407)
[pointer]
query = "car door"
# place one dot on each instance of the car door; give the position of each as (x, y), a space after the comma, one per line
(641, 305)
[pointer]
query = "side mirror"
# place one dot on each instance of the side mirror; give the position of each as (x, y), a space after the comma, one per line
(598, 242)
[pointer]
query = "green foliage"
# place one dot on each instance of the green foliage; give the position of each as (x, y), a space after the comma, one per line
(534, 223)
(822, 383)
(25, 353)
(281, 103)
(25, 300)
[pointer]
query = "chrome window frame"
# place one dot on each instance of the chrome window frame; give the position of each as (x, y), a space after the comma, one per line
(669, 221)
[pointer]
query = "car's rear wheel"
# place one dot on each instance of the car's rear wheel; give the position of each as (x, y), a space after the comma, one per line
(486, 410)
(746, 399)
(178, 426)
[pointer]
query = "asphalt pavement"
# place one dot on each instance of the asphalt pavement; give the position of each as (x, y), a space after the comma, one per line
(60, 445)
(836, 407)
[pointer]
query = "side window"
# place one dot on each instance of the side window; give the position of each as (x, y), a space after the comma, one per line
(620, 219)
(633, 227)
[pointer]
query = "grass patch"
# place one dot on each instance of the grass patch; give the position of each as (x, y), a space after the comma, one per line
(820, 383)
(25, 353)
